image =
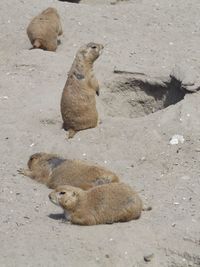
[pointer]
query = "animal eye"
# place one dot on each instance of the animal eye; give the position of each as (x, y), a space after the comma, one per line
(61, 193)
(93, 46)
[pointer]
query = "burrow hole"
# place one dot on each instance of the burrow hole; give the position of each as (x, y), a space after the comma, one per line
(133, 98)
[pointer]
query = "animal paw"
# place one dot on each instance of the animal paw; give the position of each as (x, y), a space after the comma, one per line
(22, 171)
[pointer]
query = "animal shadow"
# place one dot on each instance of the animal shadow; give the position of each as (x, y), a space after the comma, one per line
(57, 217)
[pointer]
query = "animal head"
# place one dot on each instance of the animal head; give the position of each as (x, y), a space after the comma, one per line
(50, 10)
(34, 159)
(65, 196)
(90, 52)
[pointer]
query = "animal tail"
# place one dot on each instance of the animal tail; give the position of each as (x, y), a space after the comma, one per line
(37, 44)
(147, 208)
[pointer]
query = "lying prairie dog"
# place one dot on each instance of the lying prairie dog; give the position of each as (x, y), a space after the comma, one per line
(53, 170)
(104, 204)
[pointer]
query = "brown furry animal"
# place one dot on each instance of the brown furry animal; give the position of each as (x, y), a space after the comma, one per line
(116, 202)
(54, 171)
(78, 103)
(44, 29)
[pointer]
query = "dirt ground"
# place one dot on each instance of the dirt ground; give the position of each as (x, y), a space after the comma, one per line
(133, 139)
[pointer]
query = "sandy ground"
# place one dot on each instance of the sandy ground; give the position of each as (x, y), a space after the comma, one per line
(143, 36)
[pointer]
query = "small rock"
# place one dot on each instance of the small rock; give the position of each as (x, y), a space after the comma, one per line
(176, 203)
(31, 145)
(148, 257)
(4, 97)
(97, 259)
(37, 208)
(177, 138)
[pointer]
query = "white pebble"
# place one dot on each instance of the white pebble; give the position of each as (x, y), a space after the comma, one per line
(176, 203)
(5, 97)
(176, 139)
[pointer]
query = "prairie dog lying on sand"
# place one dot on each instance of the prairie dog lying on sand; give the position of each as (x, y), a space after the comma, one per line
(105, 204)
(53, 170)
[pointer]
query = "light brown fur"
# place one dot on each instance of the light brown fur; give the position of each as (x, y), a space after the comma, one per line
(116, 202)
(78, 103)
(44, 29)
(54, 171)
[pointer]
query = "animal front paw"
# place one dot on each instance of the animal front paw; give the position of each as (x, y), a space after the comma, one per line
(22, 171)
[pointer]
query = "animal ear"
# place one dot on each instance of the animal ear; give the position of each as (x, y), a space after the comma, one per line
(74, 194)
(34, 156)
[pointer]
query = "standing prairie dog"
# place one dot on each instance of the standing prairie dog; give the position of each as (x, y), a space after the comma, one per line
(54, 171)
(44, 29)
(109, 203)
(78, 103)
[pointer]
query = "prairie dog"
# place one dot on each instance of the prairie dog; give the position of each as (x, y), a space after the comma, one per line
(78, 103)
(105, 204)
(44, 29)
(53, 170)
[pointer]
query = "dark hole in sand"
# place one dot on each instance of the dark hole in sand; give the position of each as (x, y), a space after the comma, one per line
(133, 98)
